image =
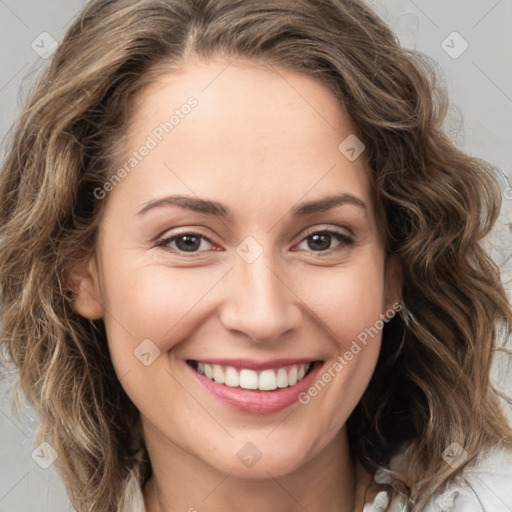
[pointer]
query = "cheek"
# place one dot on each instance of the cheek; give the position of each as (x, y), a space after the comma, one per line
(349, 304)
(346, 301)
(158, 303)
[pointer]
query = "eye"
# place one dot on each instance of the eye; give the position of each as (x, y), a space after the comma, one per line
(186, 242)
(325, 241)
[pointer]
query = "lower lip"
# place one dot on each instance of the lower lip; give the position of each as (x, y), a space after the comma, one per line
(257, 401)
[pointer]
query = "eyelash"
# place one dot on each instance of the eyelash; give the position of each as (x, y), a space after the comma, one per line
(343, 239)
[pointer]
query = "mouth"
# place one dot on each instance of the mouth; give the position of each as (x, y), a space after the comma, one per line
(255, 387)
(246, 378)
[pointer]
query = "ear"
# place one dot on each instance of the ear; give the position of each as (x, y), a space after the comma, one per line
(84, 283)
(393, 282)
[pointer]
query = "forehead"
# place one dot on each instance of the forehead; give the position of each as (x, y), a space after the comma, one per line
(253, 131)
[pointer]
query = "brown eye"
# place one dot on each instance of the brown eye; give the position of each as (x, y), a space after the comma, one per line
(188, 243)
(322, 241)
(185, 242)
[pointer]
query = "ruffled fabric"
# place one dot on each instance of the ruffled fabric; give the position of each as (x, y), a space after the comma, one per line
(486, 486)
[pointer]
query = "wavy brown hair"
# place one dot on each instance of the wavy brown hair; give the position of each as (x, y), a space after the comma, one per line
(431, 386)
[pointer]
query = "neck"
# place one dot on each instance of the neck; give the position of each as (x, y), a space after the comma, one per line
(331, 480)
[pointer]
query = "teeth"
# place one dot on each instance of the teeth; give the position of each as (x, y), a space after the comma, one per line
(218, 374)
(292, 376)
(266, 380)
(282, 378)
(248, 379)
(208, 372)
(232, 377)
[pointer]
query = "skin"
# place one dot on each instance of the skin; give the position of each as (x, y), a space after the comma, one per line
(260, 141)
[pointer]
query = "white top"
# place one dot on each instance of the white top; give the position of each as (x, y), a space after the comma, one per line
(485, 486)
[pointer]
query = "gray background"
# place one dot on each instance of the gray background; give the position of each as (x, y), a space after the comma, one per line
(479, 82)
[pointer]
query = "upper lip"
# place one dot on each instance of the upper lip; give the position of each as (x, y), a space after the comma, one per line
(252, 364)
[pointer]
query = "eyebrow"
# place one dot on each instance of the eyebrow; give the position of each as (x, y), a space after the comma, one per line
(326, 204)
(190, 203)
(217, 209)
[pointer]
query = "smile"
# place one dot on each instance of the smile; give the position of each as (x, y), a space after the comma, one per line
(245, 378)
(255, 387)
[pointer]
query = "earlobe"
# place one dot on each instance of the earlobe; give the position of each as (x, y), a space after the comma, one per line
(84, 283)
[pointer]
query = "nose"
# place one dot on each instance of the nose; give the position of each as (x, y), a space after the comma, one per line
(260, 303)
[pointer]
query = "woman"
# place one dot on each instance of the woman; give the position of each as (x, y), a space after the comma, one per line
(242, 268)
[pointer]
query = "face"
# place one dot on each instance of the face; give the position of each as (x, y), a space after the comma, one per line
(238, 263)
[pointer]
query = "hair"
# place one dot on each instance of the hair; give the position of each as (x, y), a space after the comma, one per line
(431, 386)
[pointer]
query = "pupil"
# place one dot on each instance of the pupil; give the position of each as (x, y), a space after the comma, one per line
(319, 241)
(188, 243)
